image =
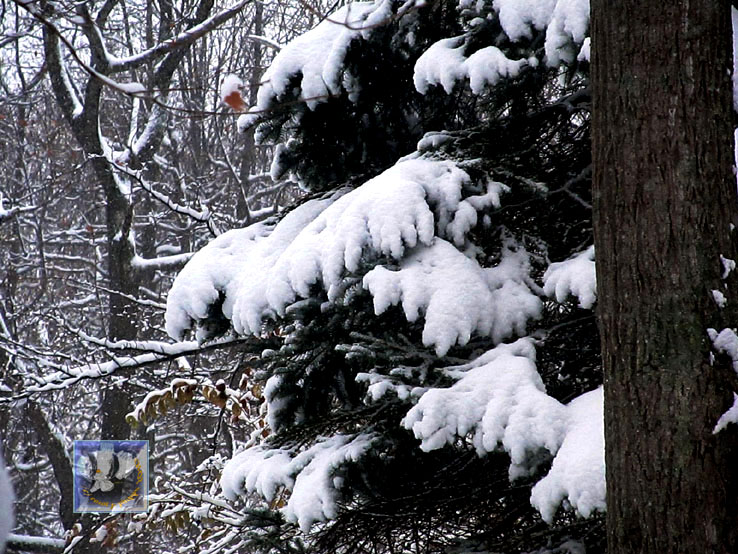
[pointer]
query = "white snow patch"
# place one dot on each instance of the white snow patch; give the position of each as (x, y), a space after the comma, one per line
(584, 52)
(518, 16)
(310, 476)
(317, 57)
(577, 473)
(573, 277)
(7, 502)
(728, 266)
(455, 295)
(208, 273)
(498, 401)
(719, 298)
(100, 534)
(132, 87)
(566, 23)
(261, 271)
(34, 543)
(731, 416)
(396, 210)
(444, 64)
(726, 341)
(567, 28)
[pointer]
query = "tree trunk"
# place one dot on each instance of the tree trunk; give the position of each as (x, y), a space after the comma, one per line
(664, 195)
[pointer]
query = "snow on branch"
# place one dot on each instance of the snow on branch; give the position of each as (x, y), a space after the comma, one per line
(498, 399)
(499, 403)
(565, 21)
(413, 213)
(730, 416)
(444, 63)
(725, 342)
(32, 543)
(577, 474)
(162, 262)
(209, 274)
(317, 58)
(8, 213)
(203, 216)
(573, 277)
(156, 352)
(312, 476)
(457, 296)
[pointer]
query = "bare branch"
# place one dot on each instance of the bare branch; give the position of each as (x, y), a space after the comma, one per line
(182, 40)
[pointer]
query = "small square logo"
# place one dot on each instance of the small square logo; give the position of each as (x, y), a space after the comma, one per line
(111, 476)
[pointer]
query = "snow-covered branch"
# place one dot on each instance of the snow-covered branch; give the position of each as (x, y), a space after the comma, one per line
(158, 352)
(174, 261)
(203, 216)
(31, 543)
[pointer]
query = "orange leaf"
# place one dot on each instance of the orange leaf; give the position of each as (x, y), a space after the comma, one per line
(235, 101)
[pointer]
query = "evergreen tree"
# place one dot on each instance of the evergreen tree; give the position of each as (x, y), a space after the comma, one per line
(432, 365)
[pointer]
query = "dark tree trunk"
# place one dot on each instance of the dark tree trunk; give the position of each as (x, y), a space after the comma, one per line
(664, 194)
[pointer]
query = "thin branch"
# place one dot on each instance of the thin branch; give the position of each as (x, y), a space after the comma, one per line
(71, 375)
(182, 40)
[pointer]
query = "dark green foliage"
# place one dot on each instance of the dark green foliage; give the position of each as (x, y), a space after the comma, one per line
(349, 140)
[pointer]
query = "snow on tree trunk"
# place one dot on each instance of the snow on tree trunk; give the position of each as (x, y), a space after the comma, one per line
(664, 194)
(7, 498)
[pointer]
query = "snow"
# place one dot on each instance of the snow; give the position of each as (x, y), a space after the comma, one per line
(207, 274)
(311, 476)
(728, 266)
(444, 63)
(577, 473)
(100, 534)
(316, 58)
(66, 375)
(7, 501)
(36, 544)
(518, 16)
(719, 298)
(731, 416)
(231, 83)
(567, 28)
(573, 277)
(404, 214)
(584, 53)
(565, 21)
(454, 294)
(441, 64)
(499, 402)
(132, 87)
(726, 342)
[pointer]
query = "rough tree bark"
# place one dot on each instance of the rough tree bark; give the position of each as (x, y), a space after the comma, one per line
(664, 196)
